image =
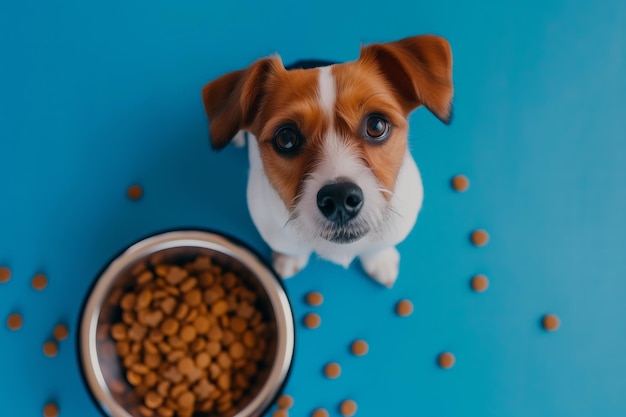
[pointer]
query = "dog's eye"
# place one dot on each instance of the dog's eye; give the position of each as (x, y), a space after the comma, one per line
(376, 128)
(287, 140)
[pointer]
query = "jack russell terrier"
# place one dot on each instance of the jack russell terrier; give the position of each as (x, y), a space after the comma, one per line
(330, 167)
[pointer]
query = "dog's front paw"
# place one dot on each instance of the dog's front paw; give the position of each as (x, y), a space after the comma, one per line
(383, 266)
(287, 266)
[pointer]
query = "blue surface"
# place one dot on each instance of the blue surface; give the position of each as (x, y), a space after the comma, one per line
(95, 96)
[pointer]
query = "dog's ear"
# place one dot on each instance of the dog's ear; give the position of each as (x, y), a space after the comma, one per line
(232, 100)
(419, 69)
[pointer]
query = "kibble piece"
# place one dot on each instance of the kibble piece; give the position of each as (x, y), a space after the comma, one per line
(153, 400)
(479, 237)
(203, 360)
(5, 274)
(224, 361)
(219, 308)
(479, 283)
(404, 308)
(236, 350)
(176, 275)
(332, 370)
(170, 326)
(145, 411)
(213, 348)
(186, 400)
(348, 408)
(320, 412)
(50, 349)
(460, 183)
(285, 402)
(134, 192)
(60, 332)
(312, 321)
(128, 301)
(446, 360)
(188, 284)
(238, 324)
(314, 298)
(50, 410)
(168, 305)
(39, 282)
(193, 297)
(186, 365)
(165, 412)
(151, 379)
(202, 324)
(223, 381)
(14, 321)
(280, 413)
(187, 333)
(143, 299)
(182, 311)
(551, 322)
(359, 347)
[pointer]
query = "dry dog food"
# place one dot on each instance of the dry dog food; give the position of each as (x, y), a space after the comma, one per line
(39, 282)
(312, 320)
(359, 348)
(50, 349)
(479, 237)
(5, 274)
(314, 299)
(480, 283)
(60, 332)
(50, 410)
(14, 321)
(280, 413)
(191, 339)
(347, 408)
(404, 308)
(134, 192)
(320, 412)
(446, 360)
(460, 183)
(550, 322)
(332, 370)
(285, 402)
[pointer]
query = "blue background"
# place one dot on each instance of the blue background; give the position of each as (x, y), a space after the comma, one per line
(95, 96)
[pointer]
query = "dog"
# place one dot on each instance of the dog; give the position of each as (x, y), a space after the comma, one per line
(330, 167)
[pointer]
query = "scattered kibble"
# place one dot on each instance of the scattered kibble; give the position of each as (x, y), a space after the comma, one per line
(550, 322)
(460, 183)
(50, 410)
(348, 408)
(320, 412)
(312, 321)
(280, 413)
(332, 370)
(60, 332)
(14, 321)
(446, 360)
(404, 308)
(480, 283)
(50, 349)
(5, 274)
(359, 347)
(479, 237)
(135, 192)
(39, 282)
(285, 402)
(314, 298)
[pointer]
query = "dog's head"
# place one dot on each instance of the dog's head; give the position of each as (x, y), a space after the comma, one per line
(332, 139)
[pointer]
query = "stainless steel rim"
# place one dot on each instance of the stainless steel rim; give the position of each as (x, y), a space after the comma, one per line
(200, 239)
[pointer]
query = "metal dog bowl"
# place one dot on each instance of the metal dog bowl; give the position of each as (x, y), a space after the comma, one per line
(101, 367)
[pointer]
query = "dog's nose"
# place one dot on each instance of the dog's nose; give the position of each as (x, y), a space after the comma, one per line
(340, 202)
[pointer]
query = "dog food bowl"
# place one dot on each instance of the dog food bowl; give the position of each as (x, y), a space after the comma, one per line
(102, 368)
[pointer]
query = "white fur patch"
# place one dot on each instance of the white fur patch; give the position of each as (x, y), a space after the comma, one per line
(327, 93)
